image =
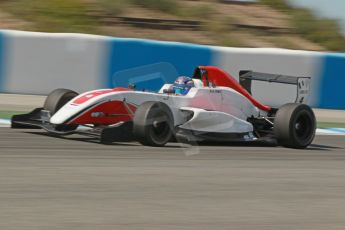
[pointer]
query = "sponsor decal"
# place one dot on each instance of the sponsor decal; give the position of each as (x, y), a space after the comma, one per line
(84, 98)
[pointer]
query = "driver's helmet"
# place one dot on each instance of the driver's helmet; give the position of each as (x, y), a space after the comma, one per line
(182, 85)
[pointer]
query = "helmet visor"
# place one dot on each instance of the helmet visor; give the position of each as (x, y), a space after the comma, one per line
(181, 89)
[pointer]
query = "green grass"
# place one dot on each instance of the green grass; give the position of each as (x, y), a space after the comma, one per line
(53, 15)
(325, 32)
(76, 16)
(167, 6)
(330, 125)
(114, 7)
(8, 115)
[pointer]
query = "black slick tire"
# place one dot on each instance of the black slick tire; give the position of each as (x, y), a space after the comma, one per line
(55, 100)
(153, 124)
(58, 98)
(295, 126)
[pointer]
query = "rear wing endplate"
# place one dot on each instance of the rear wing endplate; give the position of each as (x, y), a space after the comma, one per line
(302, 83)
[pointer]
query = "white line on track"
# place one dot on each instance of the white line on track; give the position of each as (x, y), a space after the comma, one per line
(5, 123)
(331, 131)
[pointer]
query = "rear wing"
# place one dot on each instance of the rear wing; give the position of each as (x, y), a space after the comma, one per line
(302, 83)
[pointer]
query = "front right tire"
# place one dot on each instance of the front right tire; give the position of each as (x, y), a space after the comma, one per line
(295, 126)
(153, 124)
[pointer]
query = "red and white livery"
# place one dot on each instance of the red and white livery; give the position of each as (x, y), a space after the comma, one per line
(217, 108)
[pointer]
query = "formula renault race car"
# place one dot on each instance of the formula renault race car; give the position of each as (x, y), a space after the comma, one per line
(216, 108)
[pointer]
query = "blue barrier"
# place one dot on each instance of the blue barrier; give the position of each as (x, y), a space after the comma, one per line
(332, 82)
(148, 64)
(161, 57)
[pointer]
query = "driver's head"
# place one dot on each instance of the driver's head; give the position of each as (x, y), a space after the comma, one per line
(182, 85)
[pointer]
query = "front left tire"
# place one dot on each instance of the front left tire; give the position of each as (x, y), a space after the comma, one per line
(55, 101)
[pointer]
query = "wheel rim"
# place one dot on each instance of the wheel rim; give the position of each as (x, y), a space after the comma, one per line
(153, 124)
(160, 129)
(303, 126)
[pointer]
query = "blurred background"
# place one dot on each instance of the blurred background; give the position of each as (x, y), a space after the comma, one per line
(295, 24)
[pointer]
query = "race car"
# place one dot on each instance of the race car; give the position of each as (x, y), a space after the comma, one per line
(209, 106)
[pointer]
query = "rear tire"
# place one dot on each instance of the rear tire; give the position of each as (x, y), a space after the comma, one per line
(153, 124)
(55, 101)
(295, 125)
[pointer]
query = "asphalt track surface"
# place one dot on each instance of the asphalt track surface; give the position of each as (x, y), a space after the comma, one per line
(76, 183)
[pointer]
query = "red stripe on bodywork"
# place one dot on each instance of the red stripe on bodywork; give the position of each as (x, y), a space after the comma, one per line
(114, 112)
(89, 96)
